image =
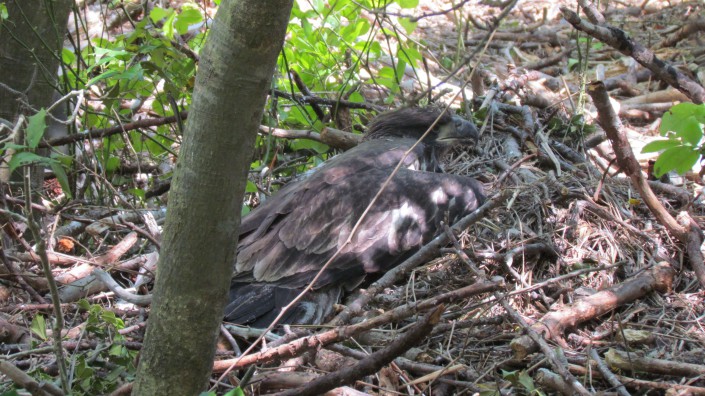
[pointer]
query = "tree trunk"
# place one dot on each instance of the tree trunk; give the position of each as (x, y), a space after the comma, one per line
(31, 40)
(204, 205)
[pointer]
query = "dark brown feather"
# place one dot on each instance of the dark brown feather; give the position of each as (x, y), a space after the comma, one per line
(287, 240)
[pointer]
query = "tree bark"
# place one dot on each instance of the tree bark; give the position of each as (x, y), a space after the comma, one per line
(31, 40)
(30, 51)
(203, 216)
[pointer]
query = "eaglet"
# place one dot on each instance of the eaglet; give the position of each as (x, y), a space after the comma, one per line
(286, 241)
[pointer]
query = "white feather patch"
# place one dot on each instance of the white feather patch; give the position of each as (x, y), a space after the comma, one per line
(439, 197)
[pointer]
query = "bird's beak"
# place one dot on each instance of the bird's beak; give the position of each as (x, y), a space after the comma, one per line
(458, 130)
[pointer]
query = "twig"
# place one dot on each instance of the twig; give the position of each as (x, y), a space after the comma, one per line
(374, 361)
(556, 363)
(607, 374)
(23, 380)
(685, 228)
(619, 40)
(110, 283)
(341, 333)
(53, 289)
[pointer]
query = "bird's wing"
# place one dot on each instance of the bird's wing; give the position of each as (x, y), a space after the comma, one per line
(297, 243)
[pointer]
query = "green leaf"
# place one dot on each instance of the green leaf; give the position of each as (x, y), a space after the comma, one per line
(36, 126)
(408, 26)
(61, 176)
(684, 110)
(168, 27)
(158, 13)
(117, 350)
(13, 146)
(24, 158)
(236, 392)
(137, 192)
(186, 18)
(303, 144)
(102, 76)
(39, 327)
(67, 56)
(245, 210)
(685, 120)
(681, 159)
(526, 381)
(251, 187)
(408, 3)
(84, 304)
(112, 164)
(110, 318)
(658, 145)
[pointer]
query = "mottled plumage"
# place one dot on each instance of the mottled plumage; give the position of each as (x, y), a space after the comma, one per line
(286, 241)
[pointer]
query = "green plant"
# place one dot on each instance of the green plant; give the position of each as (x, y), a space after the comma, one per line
(95, 371)
(522, 381)
(26, 154)
(683, 148)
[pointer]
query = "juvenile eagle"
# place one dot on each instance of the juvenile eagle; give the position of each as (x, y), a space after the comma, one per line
(286, 241)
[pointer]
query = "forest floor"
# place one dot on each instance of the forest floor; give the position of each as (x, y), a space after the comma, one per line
(568, 250)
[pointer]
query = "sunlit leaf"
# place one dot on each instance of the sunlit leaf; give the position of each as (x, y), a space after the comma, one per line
(681, 159)
(187, 17)
(156, 14)
(658, 145)
(36, 126)
(39, 327)
(408, 3)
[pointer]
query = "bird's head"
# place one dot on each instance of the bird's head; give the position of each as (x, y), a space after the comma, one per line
(413, 122)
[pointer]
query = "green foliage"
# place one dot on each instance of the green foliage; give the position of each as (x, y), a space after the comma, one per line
(100, 371)
(234, 392)
(25, 154)
(522, 381)
(39, 328)
(683, 126)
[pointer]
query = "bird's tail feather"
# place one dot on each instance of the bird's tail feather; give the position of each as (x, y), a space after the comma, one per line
(258, 304)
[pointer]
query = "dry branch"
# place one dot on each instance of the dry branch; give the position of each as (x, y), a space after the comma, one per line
(624, 361)
(23, 380)
(685, 228)
(641, 385)
(302, 345)
(619, 40)
(553, 324)
(374, 361)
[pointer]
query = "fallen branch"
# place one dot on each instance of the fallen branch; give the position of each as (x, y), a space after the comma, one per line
(302, 345)
(110, 283)
(640, 384)
(619, 40)
(554, 323)
(22, 380)
(374, 362)
(624, 361)
(685, 228)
